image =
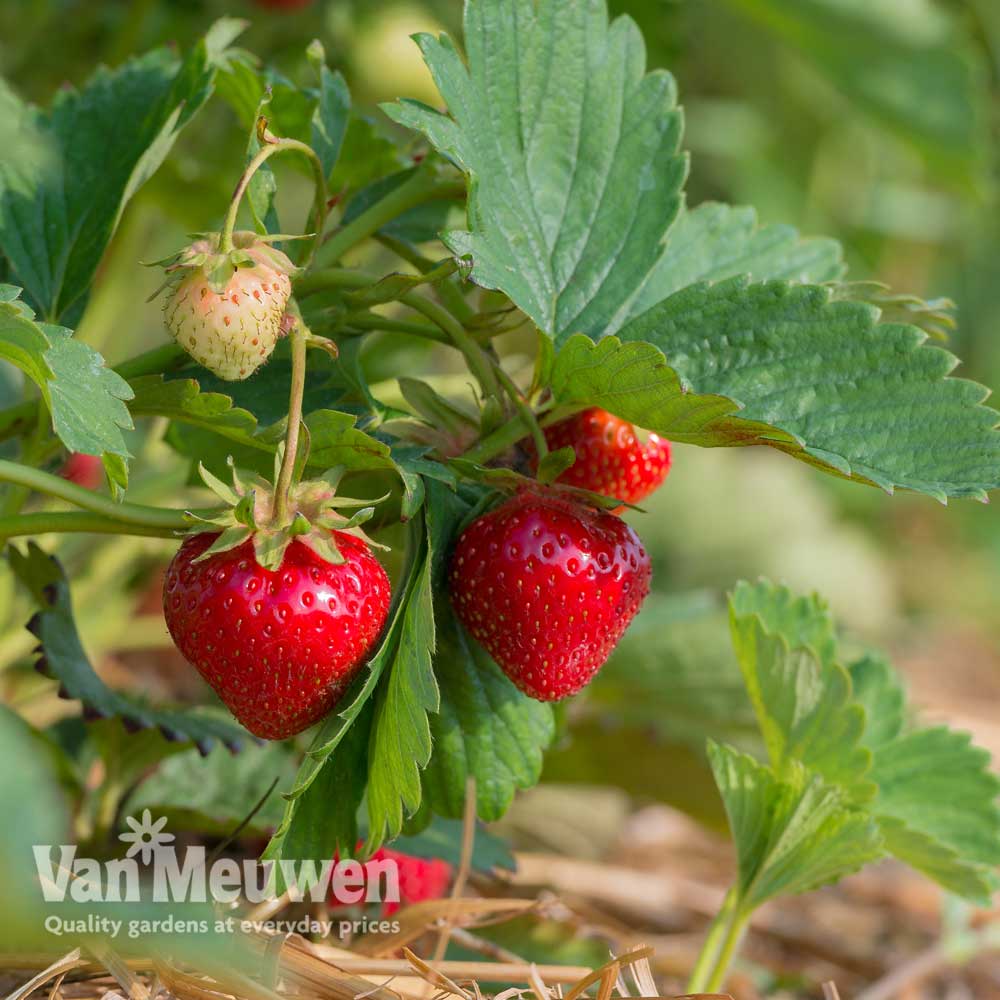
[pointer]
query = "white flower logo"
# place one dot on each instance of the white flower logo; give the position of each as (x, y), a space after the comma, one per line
(147, 838)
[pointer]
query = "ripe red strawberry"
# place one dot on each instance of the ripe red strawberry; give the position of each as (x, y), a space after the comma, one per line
(279, 647)
(610, 458)
(420, 879)
(226, 311)
(548, 586)
(83, 470)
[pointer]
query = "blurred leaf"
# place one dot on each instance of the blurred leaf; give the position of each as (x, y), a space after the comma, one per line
(67, 175)
(63, 658)
(575, 175)
(442, 838)
(886, 412)
(679, 679)
(485, 728)
(913, 67)
(214, 794)
(365, 155)
(715, 241)
(792, 834)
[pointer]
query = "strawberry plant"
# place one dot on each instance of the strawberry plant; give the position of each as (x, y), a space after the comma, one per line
(494, 323)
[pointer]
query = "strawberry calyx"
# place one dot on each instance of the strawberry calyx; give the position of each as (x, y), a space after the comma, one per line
(315, 515)
(208, 254)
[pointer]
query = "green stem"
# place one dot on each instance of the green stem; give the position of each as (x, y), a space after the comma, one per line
(420, 188)
(270, 148)
(124, 513)
(475, 357)
(449, 294)
(526, 412)
(721, 943)
(298, 337)
(503, 438)
(373, 321)
(76, 522)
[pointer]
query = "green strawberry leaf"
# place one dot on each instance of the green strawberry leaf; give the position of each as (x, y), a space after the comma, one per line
(400, 640)
(485, 729)
(182, 401)
(801, 694)
(322, 821)
(63, 658)
(715, 241)
(571, 152)
(938, 807)
(793, 833)
(400, 744)
(767, 364)
(86, 399)
(66, 175)
(333, 108)
(879, 691)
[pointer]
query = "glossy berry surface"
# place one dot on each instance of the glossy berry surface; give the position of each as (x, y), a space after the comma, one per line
(279, 648)
(420, 879)
(548, 586)
(610, 457)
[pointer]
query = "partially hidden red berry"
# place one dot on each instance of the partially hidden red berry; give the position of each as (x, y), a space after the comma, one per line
(279, 648)
(83, 470)
(610, 457)
(548, 586)
(420, 879)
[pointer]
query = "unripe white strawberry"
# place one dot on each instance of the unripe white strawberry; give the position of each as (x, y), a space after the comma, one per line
(227, 307)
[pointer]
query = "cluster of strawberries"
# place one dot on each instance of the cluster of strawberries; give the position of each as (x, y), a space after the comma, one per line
(546, 583)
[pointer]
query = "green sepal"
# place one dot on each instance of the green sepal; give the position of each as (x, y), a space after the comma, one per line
(269, 548)
(325, 546)
(245, 510)
(230, 538)
(554, 464)
(227, 494)
(220, 274)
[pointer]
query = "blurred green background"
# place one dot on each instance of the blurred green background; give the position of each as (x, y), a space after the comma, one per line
(874, 121)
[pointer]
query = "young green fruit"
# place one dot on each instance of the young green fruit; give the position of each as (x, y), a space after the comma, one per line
(226, 308)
